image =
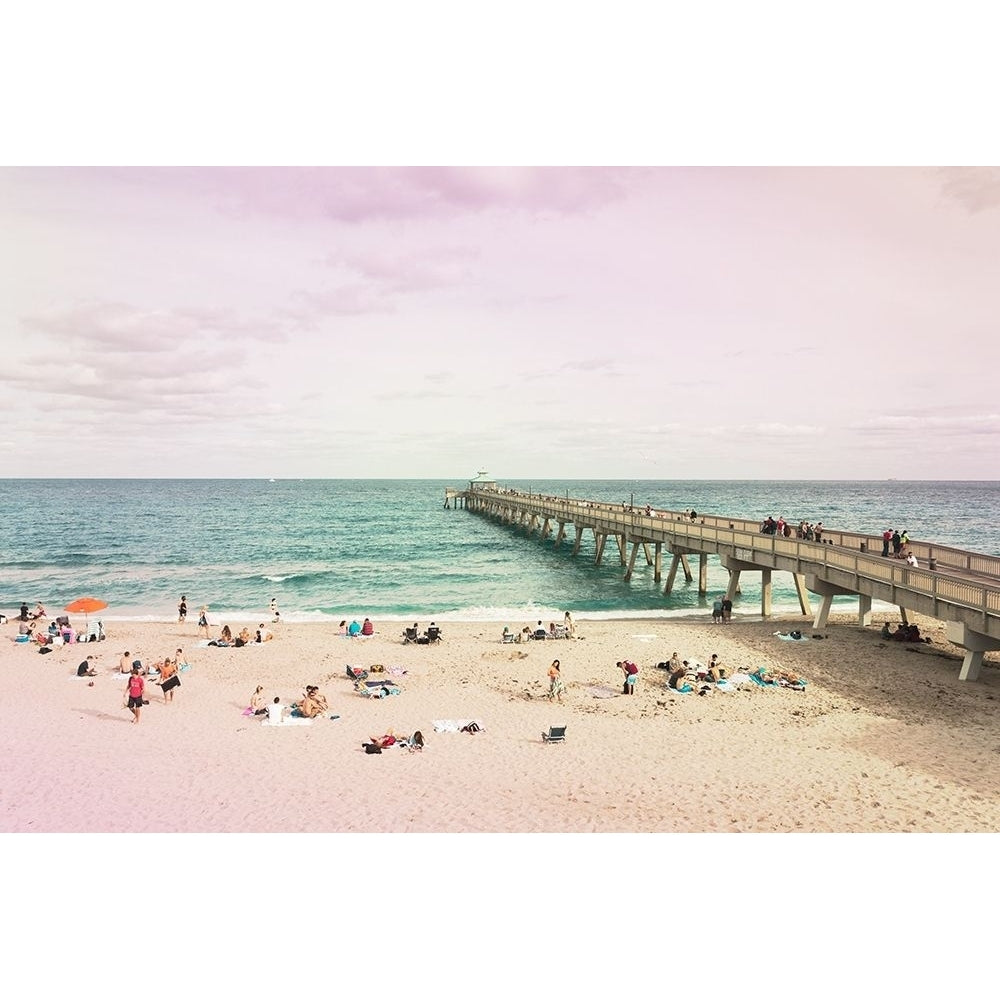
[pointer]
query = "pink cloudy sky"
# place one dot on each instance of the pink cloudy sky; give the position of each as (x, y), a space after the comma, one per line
(536, 322)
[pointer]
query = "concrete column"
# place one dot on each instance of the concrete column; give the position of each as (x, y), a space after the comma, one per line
(765, 593)
(645, 552)
(578, 537)
(734, 584)
(631, 562)
(657, 561)
(674, 563)
(702, 574)
(824, 611)
(601, 539)
(800, 589)
(974, 644)
(561, 533)
(622, 541)
(864, 609)
(686, 566)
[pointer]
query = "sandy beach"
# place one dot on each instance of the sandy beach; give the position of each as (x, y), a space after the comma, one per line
(884, 737)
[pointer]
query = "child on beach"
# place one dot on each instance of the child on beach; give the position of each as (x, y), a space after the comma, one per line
(203, 622)
(182, 610)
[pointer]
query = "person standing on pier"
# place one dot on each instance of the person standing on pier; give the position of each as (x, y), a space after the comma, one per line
(897, 543)
(886, 542)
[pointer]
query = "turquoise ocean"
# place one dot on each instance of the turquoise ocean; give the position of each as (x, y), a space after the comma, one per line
(388, 549)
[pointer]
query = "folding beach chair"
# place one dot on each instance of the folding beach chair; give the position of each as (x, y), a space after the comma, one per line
(357, 673)
(409, 635)
(556, 734)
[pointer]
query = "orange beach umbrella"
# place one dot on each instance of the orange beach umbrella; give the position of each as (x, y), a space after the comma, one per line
(86, 605)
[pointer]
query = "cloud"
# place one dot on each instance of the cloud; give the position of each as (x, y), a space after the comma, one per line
(362, 194)
(406, 273)
(983, 423)
(977, 189)
(119, 327)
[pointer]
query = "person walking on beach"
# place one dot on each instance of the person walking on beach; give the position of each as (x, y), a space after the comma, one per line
(168, 679)
(275, 613)
(134, 690)
(570, 627)
(203, 621)
(727, 611)
(555, 682)
(886, 542)
(182, 610)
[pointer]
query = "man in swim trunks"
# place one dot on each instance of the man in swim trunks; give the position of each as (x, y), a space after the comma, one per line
(134, 690)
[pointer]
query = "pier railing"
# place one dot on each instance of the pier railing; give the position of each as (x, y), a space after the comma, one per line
(946, 580)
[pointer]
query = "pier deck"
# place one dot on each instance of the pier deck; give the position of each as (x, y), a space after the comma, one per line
(959, 587)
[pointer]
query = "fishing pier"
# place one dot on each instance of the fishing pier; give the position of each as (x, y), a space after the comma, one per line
(955, 586)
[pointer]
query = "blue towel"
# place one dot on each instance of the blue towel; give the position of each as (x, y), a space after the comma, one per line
(760, 682)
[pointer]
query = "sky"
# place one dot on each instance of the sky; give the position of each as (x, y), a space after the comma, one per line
(551, 322)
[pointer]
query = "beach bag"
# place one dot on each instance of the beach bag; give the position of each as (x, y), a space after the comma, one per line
(372, 748)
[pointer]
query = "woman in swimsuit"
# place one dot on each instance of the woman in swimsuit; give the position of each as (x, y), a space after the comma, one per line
(555, 682)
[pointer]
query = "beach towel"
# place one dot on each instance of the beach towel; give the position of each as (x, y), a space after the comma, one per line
(289, 720)
(686, 689)
(203, 643)
(454, 725)
(792, 638)
(760, 682)
(599, 691)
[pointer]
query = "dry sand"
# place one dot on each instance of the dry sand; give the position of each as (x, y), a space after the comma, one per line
(884, 738)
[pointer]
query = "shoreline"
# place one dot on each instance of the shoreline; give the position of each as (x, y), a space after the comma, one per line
(884, 737)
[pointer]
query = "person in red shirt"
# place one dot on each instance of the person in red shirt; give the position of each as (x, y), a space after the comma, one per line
(631, 672)
(134, 690)
(886, 541)
(367, 628)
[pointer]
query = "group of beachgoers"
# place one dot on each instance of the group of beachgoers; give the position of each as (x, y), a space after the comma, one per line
(567, 630)
(413, 634)
(165, 673)
(905, 632)
(354, 630)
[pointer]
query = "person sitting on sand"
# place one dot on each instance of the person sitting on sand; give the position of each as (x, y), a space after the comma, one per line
(674, 663)
(342, 629)
(312, 703)
(678, 679)
(225, 636)
(264, 634)
(715, 669)
(86, 668)
(354, 629)
(39, 612)
(886, 631)
(388, 740)
(275, 712)
(258, 703)
(243, 638)
(367, 627)
(125, 663)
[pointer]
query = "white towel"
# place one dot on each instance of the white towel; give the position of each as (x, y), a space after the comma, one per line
(289, 721)
(453, 725)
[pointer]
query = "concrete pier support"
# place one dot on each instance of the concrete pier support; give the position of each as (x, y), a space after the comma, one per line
(864, 609)
(560, 534)
(577, 538)
(765, 593)
(622, 541)
(800, 589)
(827, 591)
(599, 540)
(631, 561)
(672, 573)
(686, 566)
(657, 561)
(645, 552)
(702, 574)
(974, 644)
(734, 584)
